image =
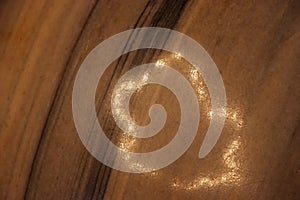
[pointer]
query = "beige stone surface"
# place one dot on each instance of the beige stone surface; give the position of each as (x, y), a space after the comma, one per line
(256, 46)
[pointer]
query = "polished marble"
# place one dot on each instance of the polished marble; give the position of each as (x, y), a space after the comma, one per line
(255, 45)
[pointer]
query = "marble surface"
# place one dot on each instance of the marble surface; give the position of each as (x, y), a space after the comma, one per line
(256, 46)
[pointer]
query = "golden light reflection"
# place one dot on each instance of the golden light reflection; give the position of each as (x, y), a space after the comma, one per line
(145, 77)
(200, 91)
(137, 166)
(232, 175)
(154, 174)
(210, 113)
(235, 118)
(160, 63)
(229, 156)
(194, 74)
(198, 84)
(218, 112)
(129, 85)
(126, 143)
(177, 55)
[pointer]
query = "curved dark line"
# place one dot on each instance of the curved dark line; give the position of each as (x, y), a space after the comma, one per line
(163, 9)
(55, 98)
(107, 88)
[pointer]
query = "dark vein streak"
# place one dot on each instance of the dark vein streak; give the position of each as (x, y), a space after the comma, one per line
(55, 98)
